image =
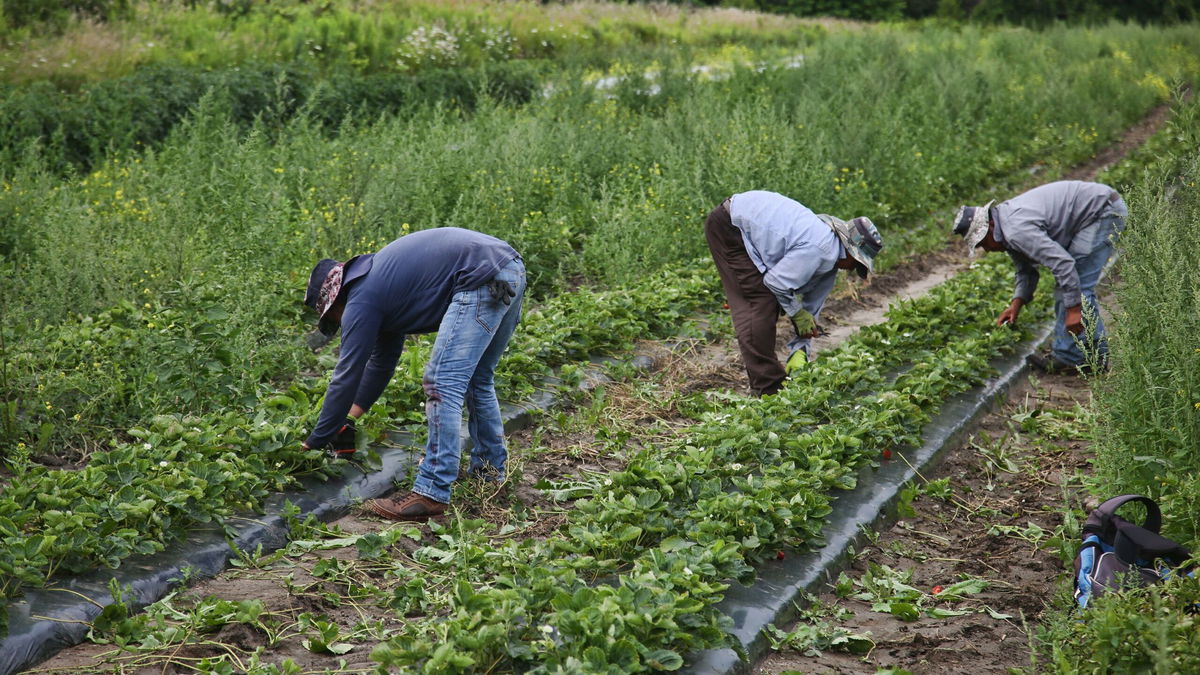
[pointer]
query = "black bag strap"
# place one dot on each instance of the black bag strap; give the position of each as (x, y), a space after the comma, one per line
(1100, 522)
(1134, 544)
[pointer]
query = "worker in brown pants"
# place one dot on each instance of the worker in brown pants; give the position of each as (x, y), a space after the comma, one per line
(774, 254)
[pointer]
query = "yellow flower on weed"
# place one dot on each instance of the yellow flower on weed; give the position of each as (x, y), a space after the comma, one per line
(1156, 84)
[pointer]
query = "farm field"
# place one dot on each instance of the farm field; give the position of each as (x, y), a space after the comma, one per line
(155, 381)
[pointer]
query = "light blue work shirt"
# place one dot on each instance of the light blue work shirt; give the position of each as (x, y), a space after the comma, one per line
(795, 250)
(1052, 225)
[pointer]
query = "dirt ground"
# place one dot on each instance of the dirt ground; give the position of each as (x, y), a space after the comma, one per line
(1017, 469)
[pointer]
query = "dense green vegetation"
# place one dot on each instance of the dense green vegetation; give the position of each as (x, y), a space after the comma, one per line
(1149, 412)
(163, 203)
(1014, 11)
(388, 36)
(587, 188)
(166, 282)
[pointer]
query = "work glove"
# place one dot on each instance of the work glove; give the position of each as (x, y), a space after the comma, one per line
(501, 291)
(805, 324)
(345, 443)
(797, 361)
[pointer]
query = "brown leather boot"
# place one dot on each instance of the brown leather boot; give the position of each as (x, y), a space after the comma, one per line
(411, 506)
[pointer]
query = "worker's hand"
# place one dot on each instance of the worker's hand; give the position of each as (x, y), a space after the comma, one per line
(1073, 321)
(501, 291)
(797, 361)
(1009, 316)
(805, 325)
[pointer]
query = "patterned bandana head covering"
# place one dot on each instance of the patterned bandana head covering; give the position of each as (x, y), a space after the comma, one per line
(861, 239)
(971, 223)
(324, 289)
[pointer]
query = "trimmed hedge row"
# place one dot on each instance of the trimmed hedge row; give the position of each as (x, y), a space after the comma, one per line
(1028, 12)
(75, 131)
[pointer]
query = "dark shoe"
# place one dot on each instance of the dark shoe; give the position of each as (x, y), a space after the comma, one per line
(1046, 363)
(411, 506)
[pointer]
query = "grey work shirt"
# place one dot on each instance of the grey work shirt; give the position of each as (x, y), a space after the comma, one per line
(1050, 225)
(793, 248)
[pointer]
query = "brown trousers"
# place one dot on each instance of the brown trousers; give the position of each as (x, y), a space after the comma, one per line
(754, 308)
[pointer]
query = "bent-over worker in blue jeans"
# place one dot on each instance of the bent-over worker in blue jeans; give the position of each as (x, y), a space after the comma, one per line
(466, 286)
(1069, 227)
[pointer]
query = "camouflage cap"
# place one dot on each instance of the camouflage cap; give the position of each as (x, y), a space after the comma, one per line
(861, 239)
(971, 223)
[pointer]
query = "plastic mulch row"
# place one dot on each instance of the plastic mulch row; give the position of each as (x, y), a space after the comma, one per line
(769, 600)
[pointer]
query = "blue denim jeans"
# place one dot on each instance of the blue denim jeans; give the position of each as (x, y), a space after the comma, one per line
(462, 369)
(1092, 248)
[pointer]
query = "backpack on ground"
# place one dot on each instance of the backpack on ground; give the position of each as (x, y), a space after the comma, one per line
(1117, 554)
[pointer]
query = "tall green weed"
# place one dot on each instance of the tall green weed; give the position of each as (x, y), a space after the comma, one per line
(1148, 413)
(1150, 406)
(592, 190)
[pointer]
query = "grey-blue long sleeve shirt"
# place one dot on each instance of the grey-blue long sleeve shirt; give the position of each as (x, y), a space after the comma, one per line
(795, 250)
(406, 289)
(1049, 225)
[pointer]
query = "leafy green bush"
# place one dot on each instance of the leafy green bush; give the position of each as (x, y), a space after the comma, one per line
(140, 110)
(1147, 630)
(56, 13)
(869, 10)
(1082, 11)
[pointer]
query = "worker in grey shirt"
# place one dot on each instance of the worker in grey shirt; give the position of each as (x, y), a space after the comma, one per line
(773, 253)
(1067, 227)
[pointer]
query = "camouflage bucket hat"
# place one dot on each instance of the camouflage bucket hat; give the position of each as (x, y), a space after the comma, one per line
(861, 239)
(971, 223)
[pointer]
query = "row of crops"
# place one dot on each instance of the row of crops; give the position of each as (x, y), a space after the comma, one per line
(630, 581)
(151, 340)
(665, 535)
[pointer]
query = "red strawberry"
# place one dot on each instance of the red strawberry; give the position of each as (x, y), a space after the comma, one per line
(779, 555)
(887, 453)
